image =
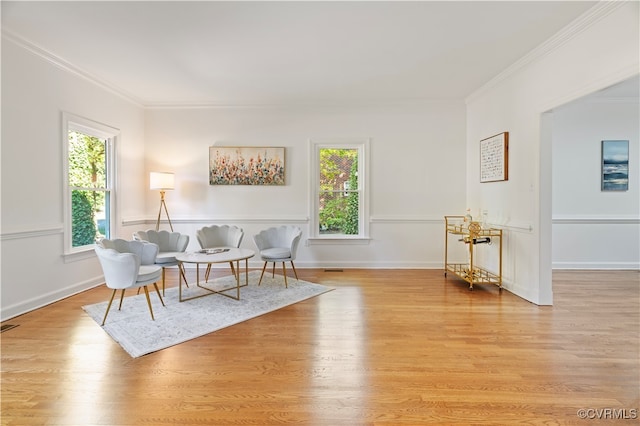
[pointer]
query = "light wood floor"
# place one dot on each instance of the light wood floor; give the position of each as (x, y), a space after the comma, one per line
(386, 347)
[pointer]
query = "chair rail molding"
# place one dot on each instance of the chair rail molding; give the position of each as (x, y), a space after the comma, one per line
(439, 220)
(596, 220)
(220, 220)
(35, 232)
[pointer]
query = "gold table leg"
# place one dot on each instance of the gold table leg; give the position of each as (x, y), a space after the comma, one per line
(236, 275)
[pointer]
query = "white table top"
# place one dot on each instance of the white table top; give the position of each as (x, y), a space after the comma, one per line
(232, 255)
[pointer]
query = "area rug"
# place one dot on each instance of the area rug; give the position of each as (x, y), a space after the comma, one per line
(133, 328)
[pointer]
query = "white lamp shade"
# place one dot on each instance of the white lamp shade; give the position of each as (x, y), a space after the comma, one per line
(161, 180)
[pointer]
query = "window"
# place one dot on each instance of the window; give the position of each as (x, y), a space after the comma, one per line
(89, 177)
(339, 190)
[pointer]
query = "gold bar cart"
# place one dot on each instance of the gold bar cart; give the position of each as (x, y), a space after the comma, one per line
(472, 234)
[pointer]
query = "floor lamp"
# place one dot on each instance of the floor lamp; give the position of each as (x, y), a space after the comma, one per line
(162, 181)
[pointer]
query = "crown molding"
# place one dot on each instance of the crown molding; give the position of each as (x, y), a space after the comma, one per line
(580, 24)
(372, 103)
(68, 67)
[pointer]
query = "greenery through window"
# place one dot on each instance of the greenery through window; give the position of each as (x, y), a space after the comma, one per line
(87, 182)
(338, 198)
(88, 160)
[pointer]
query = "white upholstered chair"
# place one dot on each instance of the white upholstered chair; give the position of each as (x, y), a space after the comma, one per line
(219, 236)
(170, 244)
(278, 244)
(128, 264)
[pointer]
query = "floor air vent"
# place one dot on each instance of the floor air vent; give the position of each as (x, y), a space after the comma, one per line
(5, 327)
(333, 270)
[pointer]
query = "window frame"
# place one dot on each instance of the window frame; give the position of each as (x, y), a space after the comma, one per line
(363, 147)
(72, 122)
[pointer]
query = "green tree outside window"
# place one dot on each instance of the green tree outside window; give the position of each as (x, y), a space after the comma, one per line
(88, 182)
(338, 198)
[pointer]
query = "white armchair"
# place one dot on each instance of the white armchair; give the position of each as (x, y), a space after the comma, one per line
(128, 264)
(219, 236)
(278, 244)
(170, 244)
(216, 236)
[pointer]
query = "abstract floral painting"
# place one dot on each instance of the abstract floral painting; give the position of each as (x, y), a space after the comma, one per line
(246, 165)
(615, 165)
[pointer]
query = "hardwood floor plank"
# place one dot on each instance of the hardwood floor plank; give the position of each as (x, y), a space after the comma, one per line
(386, 347)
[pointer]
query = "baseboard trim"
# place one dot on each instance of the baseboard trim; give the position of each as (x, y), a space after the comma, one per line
(613, 266)
(26, 306)
(257, 264)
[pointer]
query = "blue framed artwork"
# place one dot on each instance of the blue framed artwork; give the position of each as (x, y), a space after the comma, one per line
(615, 165)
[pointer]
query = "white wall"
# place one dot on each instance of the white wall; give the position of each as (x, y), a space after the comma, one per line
(594, 229)
(599, 50)
(421, 164)
(417, 174)
(414, 149)
(35, 92)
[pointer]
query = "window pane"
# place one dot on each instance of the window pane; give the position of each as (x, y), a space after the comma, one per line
(336, 167)
(84, 227)
(338, 212)
(89, 155)
(87, 165)
(338, 204)
(103, 217)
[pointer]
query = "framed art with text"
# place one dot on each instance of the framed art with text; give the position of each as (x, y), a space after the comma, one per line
(615, 165)
(239, 165)
(494, 158)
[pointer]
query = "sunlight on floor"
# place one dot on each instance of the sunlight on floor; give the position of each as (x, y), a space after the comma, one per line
(87, 369)
(340, 352)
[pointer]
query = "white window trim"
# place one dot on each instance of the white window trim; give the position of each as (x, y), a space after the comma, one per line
(363, 147)
(72, 122)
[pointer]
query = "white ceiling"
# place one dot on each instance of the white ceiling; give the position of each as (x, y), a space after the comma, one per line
(256, 53)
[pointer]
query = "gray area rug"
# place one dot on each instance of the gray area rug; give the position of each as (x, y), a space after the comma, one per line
(133, 328)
